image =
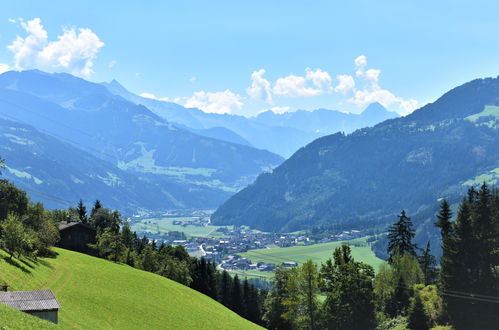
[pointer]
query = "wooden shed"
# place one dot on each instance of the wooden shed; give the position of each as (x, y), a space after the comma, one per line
(40, 303)
(76, 236)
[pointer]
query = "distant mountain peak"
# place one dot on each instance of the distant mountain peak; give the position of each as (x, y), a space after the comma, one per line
(377, 112)
(374, 107)
(116, 86)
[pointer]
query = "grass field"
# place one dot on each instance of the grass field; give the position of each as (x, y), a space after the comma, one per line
(317, 253)
(164, 225)
(13, 319)
(98, 294)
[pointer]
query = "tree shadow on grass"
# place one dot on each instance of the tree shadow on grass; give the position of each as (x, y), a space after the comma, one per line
(17, 264)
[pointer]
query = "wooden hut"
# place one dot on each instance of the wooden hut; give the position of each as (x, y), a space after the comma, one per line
(76, 236)
(39, 303)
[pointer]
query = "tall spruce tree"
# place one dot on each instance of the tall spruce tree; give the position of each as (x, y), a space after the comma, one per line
(82, 212)
(444, 217)
(400, 236)
(236, 296)
(427, 262)
(274, 305)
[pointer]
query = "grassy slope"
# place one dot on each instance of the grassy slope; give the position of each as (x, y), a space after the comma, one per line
(317, 253)
(95, 294)
(13, 319)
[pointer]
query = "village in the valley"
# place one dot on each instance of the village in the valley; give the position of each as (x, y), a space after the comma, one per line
(224, 245)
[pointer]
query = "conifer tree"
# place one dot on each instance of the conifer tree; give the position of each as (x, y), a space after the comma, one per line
(236, 296)
(82, 212)
(416, 316)
(97, 205)
(427, 263)
(225, 288)
(274, 306)
(400, 236)
(444, 218)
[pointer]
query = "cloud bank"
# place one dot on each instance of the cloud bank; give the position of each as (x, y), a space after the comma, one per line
(74, 50)
(215, 102)
(361, 89)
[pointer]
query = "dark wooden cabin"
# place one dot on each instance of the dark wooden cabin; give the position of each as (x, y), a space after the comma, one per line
(76, 236)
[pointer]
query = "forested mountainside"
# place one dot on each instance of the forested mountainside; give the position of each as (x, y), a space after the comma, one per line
(127, 136)
(367, 177)
(279, 133)
(64, 174)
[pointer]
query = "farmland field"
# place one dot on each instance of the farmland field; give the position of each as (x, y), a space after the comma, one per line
(165, 224)
(361, 251)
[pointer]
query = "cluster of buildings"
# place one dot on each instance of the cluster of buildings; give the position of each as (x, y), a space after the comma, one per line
(343, 236)
(235, 262)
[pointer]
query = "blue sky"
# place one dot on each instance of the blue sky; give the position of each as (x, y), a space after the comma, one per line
(229, 56)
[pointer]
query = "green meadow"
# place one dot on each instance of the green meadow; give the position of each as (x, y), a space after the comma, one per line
(98, 294)
(319, 253)
(164, 225)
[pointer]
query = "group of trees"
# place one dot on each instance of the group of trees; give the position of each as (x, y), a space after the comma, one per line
(469, 274)
(409, 291)
(345, 286)
(26, 229)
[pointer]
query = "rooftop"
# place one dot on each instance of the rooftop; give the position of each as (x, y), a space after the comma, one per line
(40, 300)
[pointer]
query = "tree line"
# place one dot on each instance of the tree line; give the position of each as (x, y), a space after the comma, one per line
(410, 291)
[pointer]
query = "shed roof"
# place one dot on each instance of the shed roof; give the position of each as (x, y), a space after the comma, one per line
(40, 300)
(65, 225)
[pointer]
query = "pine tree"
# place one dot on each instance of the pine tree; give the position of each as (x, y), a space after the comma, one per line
(274, 306)
(400, 299)
(417, 317)
(444, 219)
(236, 296)
(309, 288)
(400, 236)
(82, 211)
(427, 263)
(225, 288)
(97, 205)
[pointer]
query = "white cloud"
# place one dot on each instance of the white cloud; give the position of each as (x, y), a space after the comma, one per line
(215, 102)
(73, 52)
(346, 83)
(112, 63)
(321, 79)
(373, 92)
(260, 87)
(192, 80)
(4, 68)
(294, 86)
(154, 97)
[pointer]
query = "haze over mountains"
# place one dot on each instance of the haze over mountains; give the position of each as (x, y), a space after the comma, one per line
(101, 141)
(282, 134)
(367, 177)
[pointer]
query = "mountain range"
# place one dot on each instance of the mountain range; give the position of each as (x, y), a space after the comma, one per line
(367, 177)
(127, 137)
(282, 134)
(65, 138)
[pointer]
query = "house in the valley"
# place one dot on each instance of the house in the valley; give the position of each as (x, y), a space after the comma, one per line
(40, 303)
(76, 236)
